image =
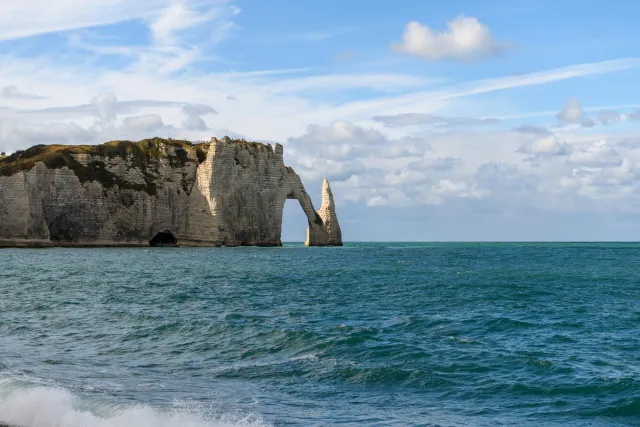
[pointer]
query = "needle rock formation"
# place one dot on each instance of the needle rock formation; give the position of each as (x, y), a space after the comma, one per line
(155, 192)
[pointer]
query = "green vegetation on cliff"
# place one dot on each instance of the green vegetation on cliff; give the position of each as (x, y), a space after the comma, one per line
(143, 155)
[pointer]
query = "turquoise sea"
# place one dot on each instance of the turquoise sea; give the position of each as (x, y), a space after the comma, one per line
(432, 334)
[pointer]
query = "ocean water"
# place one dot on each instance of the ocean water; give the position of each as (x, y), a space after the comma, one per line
(368, 334)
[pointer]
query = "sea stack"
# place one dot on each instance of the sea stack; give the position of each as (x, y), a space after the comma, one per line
(155, 192)
(330, 234)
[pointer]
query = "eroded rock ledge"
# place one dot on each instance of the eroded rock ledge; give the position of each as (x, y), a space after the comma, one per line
(156, 191)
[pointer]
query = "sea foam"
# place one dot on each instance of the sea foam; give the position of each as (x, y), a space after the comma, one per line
(56, 407)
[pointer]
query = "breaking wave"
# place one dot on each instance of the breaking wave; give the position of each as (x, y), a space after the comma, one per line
(51, 406)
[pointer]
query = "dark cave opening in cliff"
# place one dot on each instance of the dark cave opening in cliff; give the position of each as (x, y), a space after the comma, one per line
(163, 238)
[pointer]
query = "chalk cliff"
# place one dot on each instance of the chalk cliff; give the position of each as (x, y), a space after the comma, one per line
(159, 192)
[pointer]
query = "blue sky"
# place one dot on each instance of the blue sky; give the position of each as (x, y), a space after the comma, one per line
(459, 120)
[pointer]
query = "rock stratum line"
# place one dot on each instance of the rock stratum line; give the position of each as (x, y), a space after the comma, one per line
(155, 192)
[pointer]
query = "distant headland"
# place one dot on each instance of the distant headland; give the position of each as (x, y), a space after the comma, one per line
(155, 192)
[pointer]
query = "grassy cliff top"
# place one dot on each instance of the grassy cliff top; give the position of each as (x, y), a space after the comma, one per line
(57, 156)
(142, 155)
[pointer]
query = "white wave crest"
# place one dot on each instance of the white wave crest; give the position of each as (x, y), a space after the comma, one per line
(56, 407)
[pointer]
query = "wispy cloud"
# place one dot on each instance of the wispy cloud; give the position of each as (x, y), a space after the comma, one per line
(310, 36)
(181, 32)
(427, 99)
(417, 119)
(12, 92)
(33, 17)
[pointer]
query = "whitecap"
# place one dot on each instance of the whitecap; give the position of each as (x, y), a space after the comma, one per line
(38, 406)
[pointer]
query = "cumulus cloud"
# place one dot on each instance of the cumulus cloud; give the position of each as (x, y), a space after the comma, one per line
(598, 155)
(531, 129)
(408, 146)
(373, 166)
(143, 123)
(436, 164)
(572, 112)
(12, 92)
(609, 117)
(634, 115)
(198, 110)
(340, 131)
(377, 201)
(16, 135)
(464, 39)
(335, 171)
(461, 189)
(619, 182)
(417, 119)
(632, 142)
(106, 109)
(506, 183)
(193, 113)
(194, 123)
(344, 140)
(545, 147)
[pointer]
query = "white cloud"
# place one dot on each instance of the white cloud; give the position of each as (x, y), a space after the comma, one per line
(403, 147)
(143, 123)
(531, 129)
(449, 188)
(15, 135)
(635, 115)
(316, 169)
(377, 201)
(572, 112)
(418, 119)
(632, 142)
(340, 132)
(344, 140)
(12, 92)
(198, 110)
(615, 182)
(106, 109)
(307, 36)
(544, 147)
(436, 163)
(598, 155)
(609, 117)
(364, 144)
(32, 17)
(465, 39)
(194, 123)
(173, 19)
(431, 100)
(193, 113)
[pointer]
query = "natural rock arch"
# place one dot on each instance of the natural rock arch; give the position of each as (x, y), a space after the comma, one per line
(123, 193)
(323, 229)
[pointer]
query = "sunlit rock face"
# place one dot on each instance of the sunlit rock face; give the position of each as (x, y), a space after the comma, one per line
(155, 192)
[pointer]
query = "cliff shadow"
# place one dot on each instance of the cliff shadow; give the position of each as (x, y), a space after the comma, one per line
(163, 238)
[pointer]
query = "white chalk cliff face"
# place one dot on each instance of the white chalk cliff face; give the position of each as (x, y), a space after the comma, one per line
(158, 192)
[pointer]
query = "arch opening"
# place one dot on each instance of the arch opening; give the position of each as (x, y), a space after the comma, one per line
(294, 222)
(163, 238)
